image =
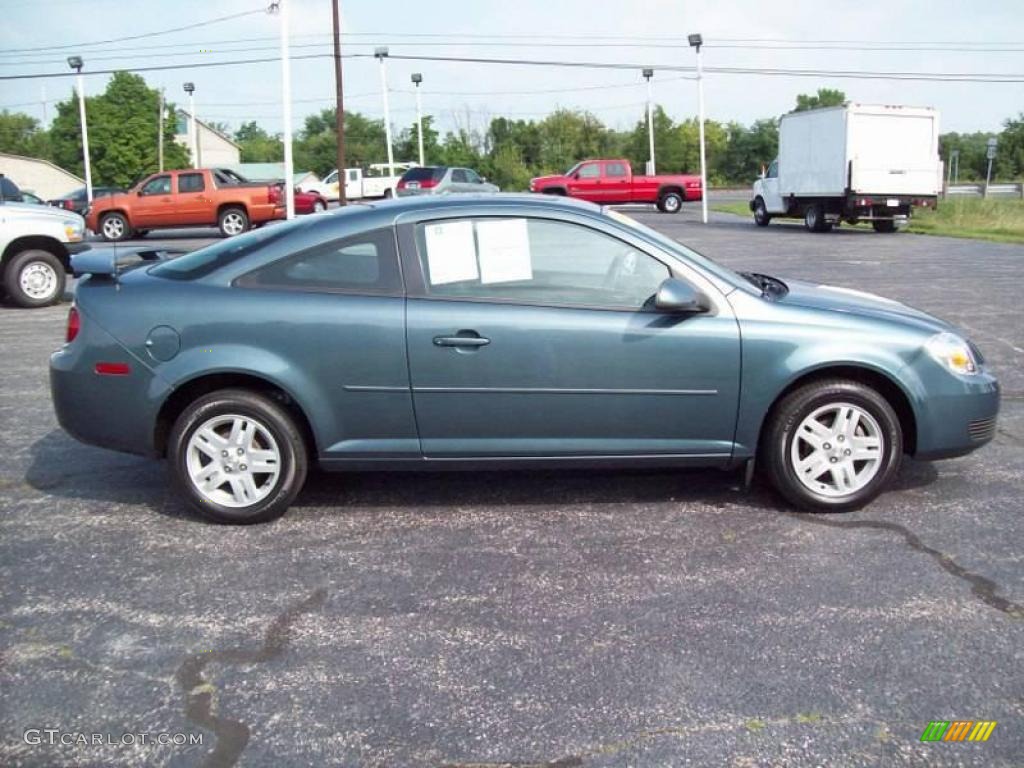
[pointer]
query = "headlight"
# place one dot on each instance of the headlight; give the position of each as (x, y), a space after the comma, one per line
(953, 352)
(73, 230)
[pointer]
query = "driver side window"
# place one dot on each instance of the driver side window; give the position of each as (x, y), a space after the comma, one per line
(589, 171)
(536, 261)
(161, 185)
(773, 170)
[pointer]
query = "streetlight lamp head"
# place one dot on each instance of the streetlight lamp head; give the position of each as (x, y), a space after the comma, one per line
(75, 62)
(417, 78)
(696, 41)
(189, 88)
(648, 73)
(380, 52)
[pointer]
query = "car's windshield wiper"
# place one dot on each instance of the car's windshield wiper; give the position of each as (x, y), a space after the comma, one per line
(770, 286)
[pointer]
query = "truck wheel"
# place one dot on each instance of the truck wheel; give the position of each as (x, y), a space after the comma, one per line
(832, 446)
(232, 221)
(114, 227)
(34, 278)
(814, 219)
(885, 225)
(670, 202)
(761, 217)
(387, 194)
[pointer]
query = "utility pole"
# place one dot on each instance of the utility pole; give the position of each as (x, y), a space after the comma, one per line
(381, 54)
(76, 63)
(281, 6)
(990, 153)
(160, 132)
(339, 105)
(697, 41)
(417, 78)
(648, 74)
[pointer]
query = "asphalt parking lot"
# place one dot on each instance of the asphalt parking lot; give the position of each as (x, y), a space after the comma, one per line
(528, 619)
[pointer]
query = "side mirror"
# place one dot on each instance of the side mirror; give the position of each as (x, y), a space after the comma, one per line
(677, 296)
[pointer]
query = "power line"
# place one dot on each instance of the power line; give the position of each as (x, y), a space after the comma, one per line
(978, 77)
(195, 25)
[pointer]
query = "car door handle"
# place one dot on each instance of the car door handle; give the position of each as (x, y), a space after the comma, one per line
(461, 341)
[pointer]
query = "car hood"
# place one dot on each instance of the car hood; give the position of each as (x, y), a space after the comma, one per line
(835, 299)
(545, 179)
(25, 210)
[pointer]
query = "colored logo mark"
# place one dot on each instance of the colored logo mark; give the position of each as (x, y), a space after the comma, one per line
(958, 730)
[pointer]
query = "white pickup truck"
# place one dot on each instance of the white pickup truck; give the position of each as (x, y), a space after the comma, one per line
(857, 162)
(375, 183)
(36, 243)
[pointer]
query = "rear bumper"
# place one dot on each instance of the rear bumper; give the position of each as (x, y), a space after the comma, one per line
(115, 412)
(266, 212)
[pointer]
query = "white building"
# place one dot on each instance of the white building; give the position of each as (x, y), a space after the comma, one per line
(41, 177)
(215, 149)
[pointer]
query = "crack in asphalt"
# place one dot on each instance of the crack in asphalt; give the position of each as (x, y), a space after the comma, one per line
(982, 587)
(233, 735)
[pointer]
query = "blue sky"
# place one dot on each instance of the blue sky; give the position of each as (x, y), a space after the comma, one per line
(470, 94)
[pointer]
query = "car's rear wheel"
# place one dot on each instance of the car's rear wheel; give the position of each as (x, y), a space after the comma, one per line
(114, 227)
(319, 206)
(34, 278)
(670, 202)
(885, 226)
(233, 221)
(833, 445)
(814, 219)
(237, 457)
(761, 216)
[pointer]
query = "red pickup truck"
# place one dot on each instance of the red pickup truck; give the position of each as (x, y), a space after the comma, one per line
(612, 181)
(197, 197)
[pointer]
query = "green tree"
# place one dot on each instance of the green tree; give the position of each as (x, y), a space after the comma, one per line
(1009, 163)
(258, 146)
(825, 97)
(407, 143)
(316, 147)
(123, 125)
(20, 134)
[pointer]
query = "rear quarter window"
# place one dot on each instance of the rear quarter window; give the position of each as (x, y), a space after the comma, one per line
(206, 260)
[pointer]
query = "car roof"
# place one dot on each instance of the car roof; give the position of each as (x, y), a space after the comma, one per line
(498, 201)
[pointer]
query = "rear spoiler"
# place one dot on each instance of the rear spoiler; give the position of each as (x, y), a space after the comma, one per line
(110, 262)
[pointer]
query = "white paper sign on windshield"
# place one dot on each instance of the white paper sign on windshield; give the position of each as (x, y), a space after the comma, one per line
(504, 249)
(451, 252)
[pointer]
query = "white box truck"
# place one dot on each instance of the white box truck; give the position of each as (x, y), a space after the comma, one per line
(857, 162)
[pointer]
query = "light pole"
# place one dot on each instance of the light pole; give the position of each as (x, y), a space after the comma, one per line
(381, 54)
(990, 153)
(193, 130)
(648, 74)
(696, 41)
(160, 132)
(76, 63)
(281, 8)
(417, 78)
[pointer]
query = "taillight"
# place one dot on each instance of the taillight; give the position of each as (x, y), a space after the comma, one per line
(428, 183)
(68, 205)
(275, 194)
(401, 183)
(74, 325)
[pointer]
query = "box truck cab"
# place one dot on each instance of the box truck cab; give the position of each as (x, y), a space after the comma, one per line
(857, 162)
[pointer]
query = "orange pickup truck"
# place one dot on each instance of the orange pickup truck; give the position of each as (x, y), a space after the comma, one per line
(196, 197)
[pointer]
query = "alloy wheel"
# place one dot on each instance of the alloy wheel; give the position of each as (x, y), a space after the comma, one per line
(113, 227)
(837, 450)
(234, 224)
(233, 460)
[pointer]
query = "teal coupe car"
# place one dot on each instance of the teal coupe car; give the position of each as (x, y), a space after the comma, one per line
(500, 331)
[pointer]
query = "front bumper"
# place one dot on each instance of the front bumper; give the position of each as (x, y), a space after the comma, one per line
(957, 416)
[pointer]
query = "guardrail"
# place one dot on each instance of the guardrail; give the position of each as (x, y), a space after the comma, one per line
(1015, 189)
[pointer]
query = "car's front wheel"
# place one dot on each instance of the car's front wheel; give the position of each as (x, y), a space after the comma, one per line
(237, 457)
(832, 445)
(761, 216)
(34, 278)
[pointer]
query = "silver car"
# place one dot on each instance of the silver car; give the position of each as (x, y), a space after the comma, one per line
(442, 180)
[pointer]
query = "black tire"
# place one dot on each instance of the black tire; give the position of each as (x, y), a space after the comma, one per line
(319, 206)
(35, 278)
(270, 416)
(814, 219)
(670, 202)
(885, 226)
(780, 432)
(557, 191)
(233, 221)
(140, 233)
(761, 216)
(387, 194)
(114, 227)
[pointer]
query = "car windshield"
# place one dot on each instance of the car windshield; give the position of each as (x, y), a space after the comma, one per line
(724, 273)
(204, 261)
(572, 170)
